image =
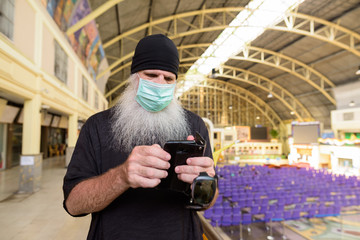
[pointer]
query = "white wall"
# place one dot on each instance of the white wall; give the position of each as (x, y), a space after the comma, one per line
(346, 93)
(24, 20)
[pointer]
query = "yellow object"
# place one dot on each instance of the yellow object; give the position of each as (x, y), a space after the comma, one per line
(217, 153)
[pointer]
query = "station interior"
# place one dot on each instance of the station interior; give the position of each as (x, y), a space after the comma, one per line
(277, 83)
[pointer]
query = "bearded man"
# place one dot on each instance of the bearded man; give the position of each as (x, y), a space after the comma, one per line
(118, 160)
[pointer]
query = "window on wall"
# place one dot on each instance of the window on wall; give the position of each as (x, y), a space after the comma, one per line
(60, 63)
(228, 137)
(96, 100)
(85, 89)
(7, 18)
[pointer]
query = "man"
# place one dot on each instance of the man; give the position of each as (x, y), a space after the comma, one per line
(118, 160)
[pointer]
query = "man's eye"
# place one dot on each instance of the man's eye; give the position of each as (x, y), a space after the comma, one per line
(151, 75)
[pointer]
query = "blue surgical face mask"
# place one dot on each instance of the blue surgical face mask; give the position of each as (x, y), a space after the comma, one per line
(154, 97)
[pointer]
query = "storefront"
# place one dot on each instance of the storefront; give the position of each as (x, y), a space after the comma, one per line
(14, 144)
(53, 135)
(2, 145)
(10, 134)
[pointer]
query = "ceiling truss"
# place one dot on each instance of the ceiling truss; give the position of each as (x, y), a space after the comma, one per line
(290, 65)
(320, 29)
(266, 84)
(224, 87)
(269, 86)
(259, 55)
(208, 20)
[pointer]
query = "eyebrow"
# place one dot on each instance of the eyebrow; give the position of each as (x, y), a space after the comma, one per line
(170, 78)
(166, 77)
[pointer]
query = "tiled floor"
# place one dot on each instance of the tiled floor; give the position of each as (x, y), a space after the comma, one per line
(39, 215)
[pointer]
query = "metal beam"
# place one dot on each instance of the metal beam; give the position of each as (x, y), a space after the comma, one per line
(236, 92)
(108, 94)
(181, 17)
(290, 65)
(269, 86)
(264, 56)
(329, 32)
(326, 31)
(284, 96)
(94, 14)
(182, 49)
(117, 62)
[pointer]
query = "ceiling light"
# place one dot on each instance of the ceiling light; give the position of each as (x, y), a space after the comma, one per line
(358, 71)
(44, 106)
(270, 95)
(230, 107)
(247, 26)
(213, 73)
(351, 104)
(257, 118)
(292, 112)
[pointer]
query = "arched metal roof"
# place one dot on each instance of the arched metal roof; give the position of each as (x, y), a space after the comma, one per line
(300, 60)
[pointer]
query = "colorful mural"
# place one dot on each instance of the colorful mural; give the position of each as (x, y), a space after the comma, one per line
(86, 41)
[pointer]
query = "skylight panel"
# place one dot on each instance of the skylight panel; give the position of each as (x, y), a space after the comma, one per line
(247, 26)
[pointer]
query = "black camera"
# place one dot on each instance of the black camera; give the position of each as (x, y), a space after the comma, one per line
(180, 151)
(203, 191)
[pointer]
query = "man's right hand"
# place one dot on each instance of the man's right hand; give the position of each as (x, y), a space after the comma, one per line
(145, 166)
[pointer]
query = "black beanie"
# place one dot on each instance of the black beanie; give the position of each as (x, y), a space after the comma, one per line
(156, 52)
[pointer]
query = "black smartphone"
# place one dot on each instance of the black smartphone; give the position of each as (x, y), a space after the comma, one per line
(180, 151)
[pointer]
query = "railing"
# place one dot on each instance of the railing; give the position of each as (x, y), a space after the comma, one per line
(209, 231)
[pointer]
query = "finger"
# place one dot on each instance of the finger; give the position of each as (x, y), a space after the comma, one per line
(140, 181)
(188, 178)
(151, 173)
(154, 162)
(186, 169)
(200, 161)
(154, 151)
(190, 137)
(195, 170)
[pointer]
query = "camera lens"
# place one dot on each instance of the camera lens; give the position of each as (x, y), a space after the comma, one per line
(204, 191)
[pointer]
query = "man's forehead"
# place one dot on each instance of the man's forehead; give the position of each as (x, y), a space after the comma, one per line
(158, 71)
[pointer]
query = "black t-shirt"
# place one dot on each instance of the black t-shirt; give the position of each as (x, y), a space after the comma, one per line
(141, 213)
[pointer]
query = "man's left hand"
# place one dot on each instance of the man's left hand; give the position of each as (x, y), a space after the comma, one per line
(194, 166)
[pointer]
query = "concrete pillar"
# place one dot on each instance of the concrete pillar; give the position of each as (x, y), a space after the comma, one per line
(30, 173)
(72, 137)
(283, 136)
(31, 126)
(31, 159)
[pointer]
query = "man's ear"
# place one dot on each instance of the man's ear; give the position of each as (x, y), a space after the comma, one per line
(137, 80)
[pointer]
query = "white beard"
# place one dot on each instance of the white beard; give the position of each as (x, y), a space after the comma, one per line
(132, 125)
